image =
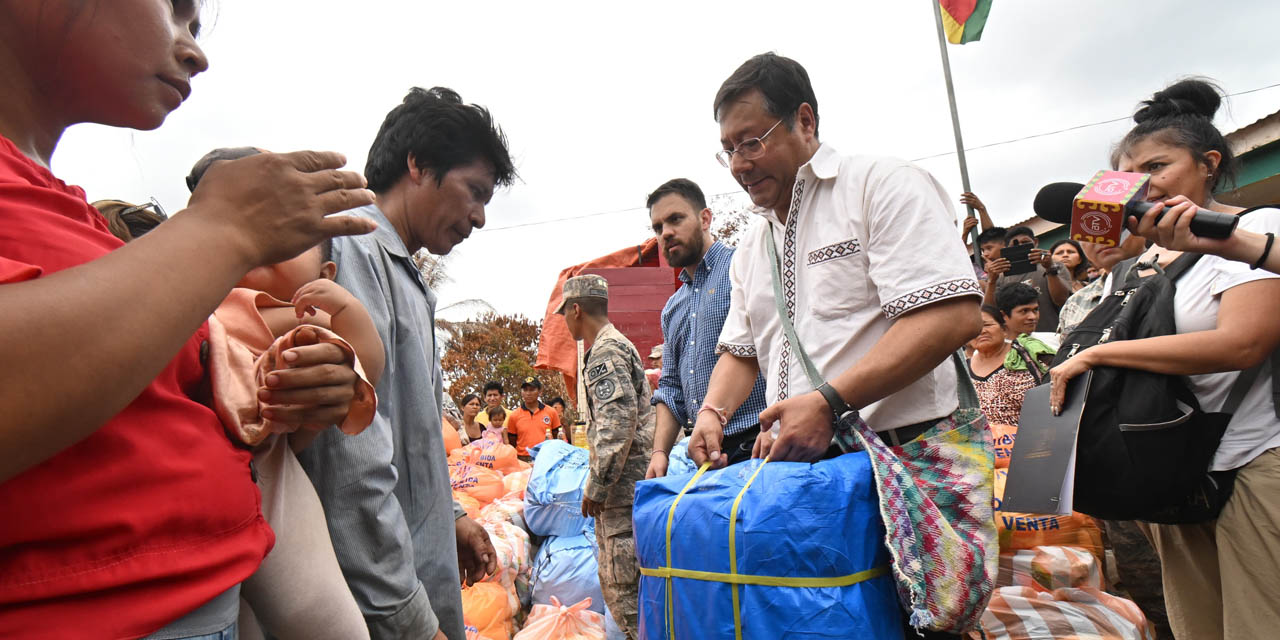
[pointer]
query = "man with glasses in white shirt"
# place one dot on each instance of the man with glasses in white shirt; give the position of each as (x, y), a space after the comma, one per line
(879, 290)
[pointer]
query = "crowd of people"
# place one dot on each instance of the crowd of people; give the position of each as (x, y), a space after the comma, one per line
(272, 413)
(531, 422)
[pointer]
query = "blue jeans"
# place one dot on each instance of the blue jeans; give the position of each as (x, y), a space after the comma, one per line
(230, 633)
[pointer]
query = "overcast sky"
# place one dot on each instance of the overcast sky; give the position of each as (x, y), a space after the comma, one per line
(602, 102)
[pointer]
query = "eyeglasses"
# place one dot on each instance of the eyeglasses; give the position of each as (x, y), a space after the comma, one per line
(153, 205)
(750, 149)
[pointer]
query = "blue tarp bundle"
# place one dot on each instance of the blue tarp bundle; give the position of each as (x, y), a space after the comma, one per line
(567, 568)
(794, 521)
(553, 499)
(679, 463)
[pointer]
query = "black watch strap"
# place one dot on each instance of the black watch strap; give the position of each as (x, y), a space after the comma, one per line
(838, 406)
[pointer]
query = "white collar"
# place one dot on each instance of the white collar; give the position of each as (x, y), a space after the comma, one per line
(823, 165)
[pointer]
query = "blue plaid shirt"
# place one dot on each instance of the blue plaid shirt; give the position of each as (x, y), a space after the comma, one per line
(691, 323)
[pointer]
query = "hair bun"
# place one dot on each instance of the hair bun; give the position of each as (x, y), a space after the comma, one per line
(1192, 96)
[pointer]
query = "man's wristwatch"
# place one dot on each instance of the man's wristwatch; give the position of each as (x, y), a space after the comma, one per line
(1053, 271)
(838, 406)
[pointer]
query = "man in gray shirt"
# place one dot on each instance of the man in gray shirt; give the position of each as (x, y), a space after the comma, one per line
(401, 540)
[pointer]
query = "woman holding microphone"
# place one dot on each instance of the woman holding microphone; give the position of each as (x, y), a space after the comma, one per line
(1221, 578)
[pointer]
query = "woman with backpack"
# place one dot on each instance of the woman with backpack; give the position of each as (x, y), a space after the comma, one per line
(1221, 577)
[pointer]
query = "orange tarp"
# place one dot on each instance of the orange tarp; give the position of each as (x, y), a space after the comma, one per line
(557, 350)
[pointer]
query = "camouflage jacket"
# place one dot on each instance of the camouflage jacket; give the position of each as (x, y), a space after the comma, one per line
(620, 432)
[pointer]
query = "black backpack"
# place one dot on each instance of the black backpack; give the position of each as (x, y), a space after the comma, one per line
(1145, 446)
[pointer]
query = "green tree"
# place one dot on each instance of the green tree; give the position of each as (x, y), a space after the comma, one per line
(495, 347)
(729, 217)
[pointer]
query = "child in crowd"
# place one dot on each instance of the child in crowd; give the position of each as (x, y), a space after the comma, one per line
(498, 416)
(299, 591)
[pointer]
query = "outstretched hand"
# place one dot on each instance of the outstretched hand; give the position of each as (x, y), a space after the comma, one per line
(275, 204)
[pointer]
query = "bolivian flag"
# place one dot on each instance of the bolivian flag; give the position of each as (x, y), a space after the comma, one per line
(963, 19)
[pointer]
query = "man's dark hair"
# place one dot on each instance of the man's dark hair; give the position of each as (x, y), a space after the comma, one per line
(682, 187)
(1015, 294)
(994, 234)
(594, 307)
(782, 81)
(442, 133)
(493, 385)
(1019, 231)
(557, 400)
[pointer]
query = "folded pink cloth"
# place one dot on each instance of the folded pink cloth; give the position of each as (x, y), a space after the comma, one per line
(242, 352)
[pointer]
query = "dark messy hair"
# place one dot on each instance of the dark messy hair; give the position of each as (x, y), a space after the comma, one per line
(493, 385)
(1181, 115)
(1014, 232)
(1079, 273)
(442, 134)
(992, 311)
(682, 187)
(557, 400)
(994, 234)
(468, 398)
(1014, 294)
(782, 81)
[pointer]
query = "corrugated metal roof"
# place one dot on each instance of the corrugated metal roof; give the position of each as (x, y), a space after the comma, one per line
(1257, 134)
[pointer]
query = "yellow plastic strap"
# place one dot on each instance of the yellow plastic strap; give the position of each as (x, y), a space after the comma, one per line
(733, 577)
(766, 581)
(733, 549)
(671, 517)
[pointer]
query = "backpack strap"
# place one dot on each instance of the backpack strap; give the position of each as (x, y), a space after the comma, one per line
(1032, 366)
(1181, 265)
(1243, 383)
(1275, 382)
(1121, 272)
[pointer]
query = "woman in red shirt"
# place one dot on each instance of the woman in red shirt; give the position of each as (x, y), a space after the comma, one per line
(124, 508)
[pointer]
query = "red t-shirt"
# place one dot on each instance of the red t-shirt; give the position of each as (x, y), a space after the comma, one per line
(531, 427)
(153, 514)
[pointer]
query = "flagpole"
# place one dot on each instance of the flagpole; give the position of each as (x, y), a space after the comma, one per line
(955, 123)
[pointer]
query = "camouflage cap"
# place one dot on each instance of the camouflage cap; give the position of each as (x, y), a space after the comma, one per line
(590, 286)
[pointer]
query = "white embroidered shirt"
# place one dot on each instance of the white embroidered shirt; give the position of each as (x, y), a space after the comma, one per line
(866, 240)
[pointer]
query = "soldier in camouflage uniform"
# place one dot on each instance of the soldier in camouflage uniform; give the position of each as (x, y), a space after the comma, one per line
(620, 435)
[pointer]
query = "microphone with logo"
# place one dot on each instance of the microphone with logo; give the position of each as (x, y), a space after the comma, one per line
(1096, 212)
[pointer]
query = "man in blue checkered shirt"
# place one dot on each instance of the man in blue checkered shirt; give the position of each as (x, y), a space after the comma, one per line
(691, 323)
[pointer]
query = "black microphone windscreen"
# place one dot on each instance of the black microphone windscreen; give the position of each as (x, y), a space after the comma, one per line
(1055, 201)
